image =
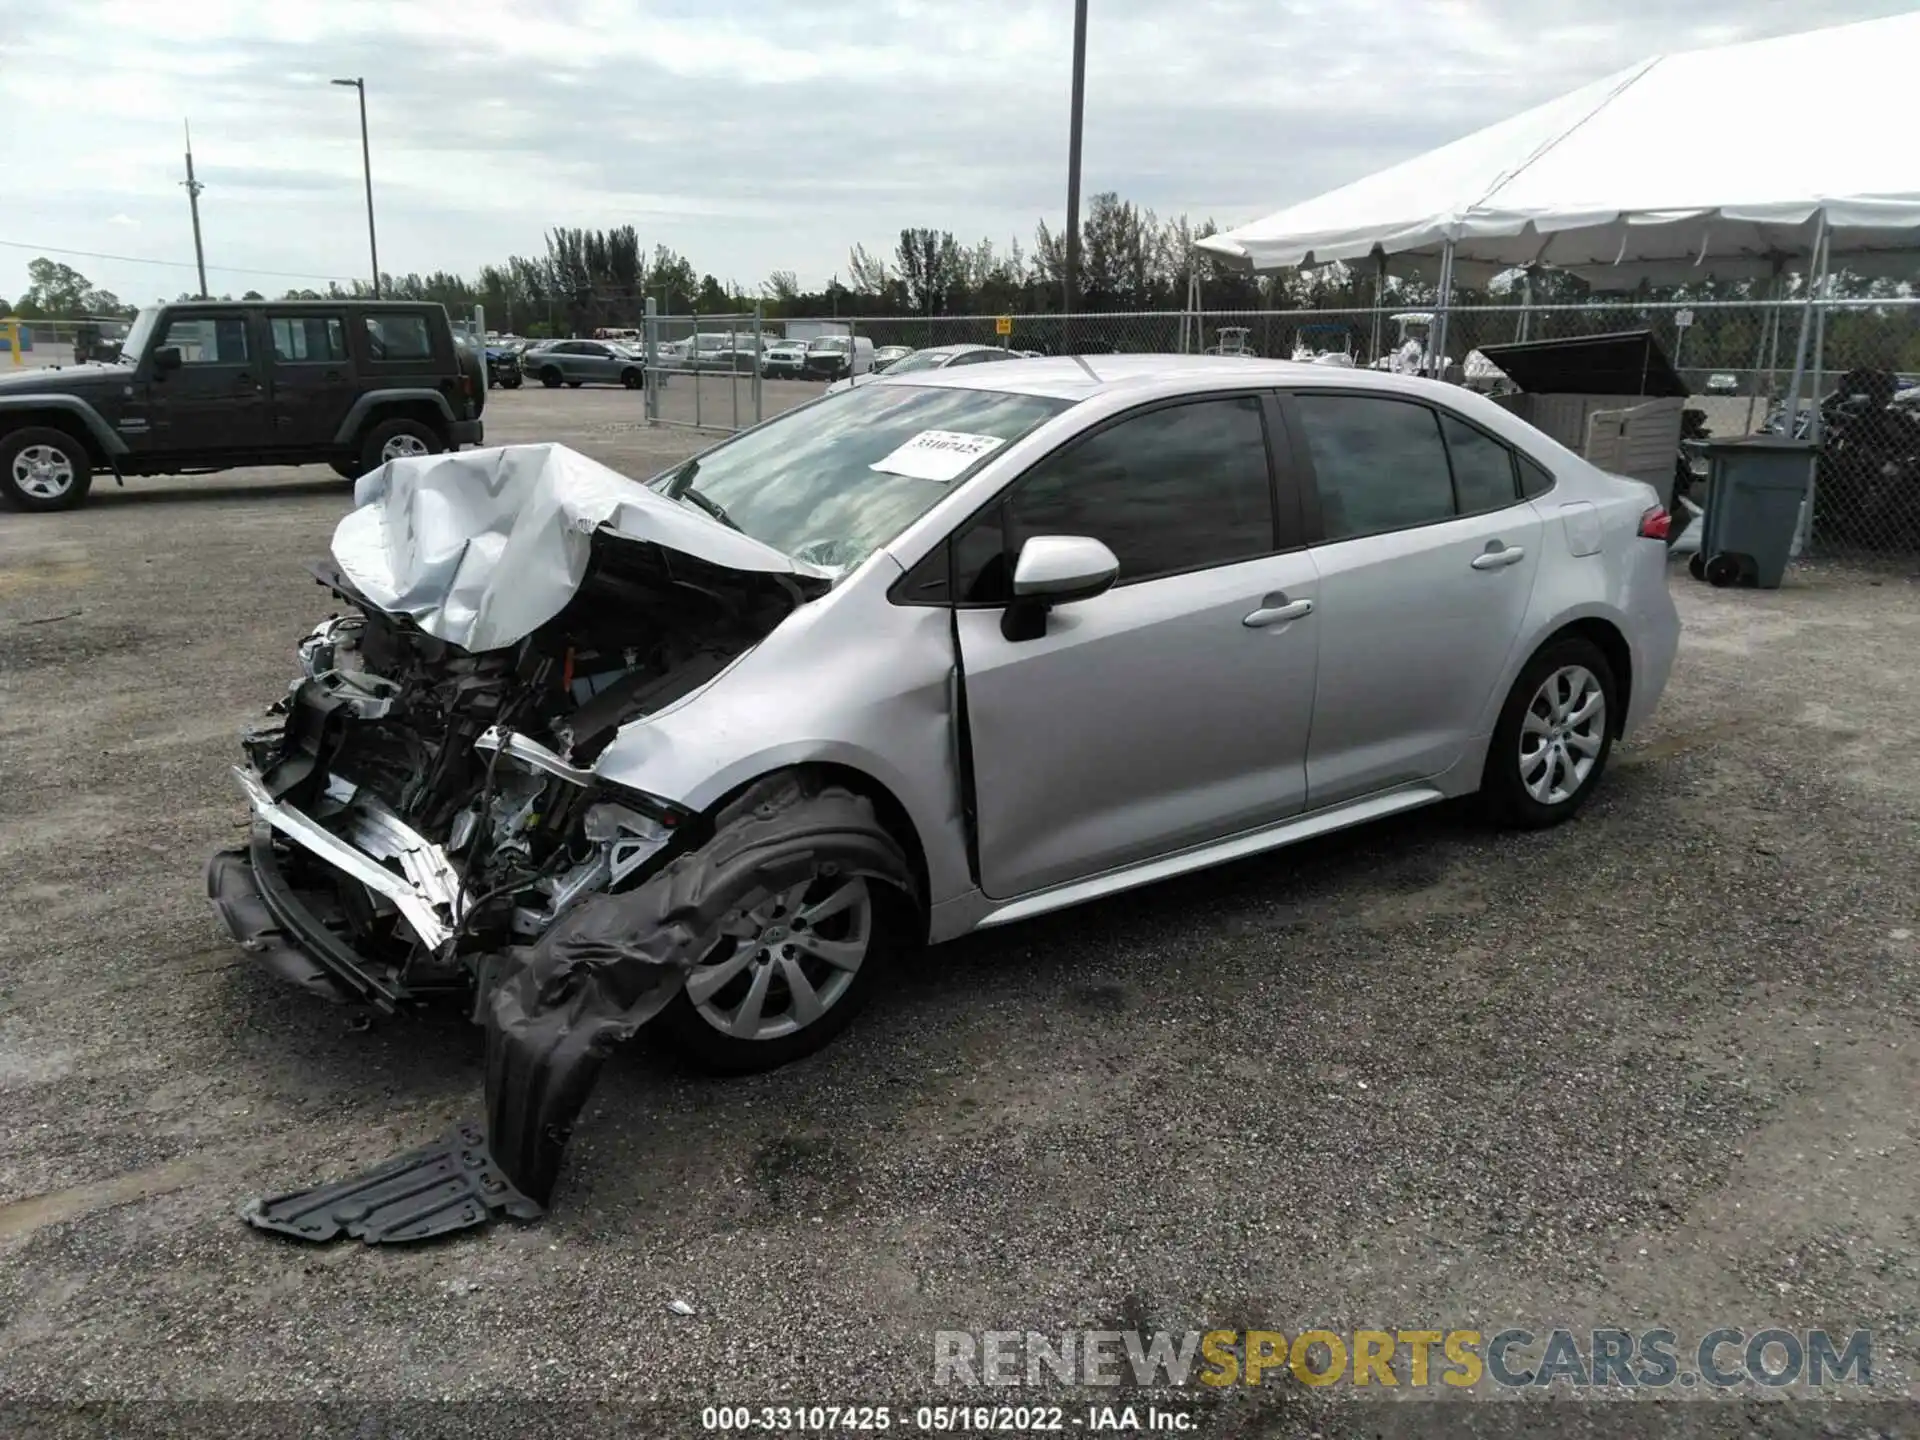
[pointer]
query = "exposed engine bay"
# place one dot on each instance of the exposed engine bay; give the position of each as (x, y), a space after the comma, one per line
(469, 775)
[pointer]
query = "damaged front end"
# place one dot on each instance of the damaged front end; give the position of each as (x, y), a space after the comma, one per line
(425, 808)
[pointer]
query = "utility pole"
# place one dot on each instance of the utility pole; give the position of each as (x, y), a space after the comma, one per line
(1072, 276)
(366, 164)
(194, 187)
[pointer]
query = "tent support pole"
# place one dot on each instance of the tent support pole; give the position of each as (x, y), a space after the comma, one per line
(1816, 276)
(1819, 357)
(1379, 303)
(1437, 360)
(1760, 350)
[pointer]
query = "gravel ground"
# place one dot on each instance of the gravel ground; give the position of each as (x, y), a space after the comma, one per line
(1653, 1067)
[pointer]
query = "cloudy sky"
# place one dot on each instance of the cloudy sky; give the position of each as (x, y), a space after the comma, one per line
(751, 135)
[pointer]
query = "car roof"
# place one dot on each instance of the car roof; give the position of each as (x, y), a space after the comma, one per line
(1071, 378)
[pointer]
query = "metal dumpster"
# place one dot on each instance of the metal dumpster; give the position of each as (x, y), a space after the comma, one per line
(1757, 487)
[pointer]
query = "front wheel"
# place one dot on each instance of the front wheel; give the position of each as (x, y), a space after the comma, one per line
(550, 378)
(573, 384)
(797, 957)
(1553, 737)
(631, 379)
(44, 469)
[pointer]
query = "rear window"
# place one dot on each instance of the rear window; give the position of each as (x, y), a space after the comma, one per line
(399, 337)
(1535, 478)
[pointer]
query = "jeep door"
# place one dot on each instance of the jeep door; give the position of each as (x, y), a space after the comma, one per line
(215, 401)
(313, 385)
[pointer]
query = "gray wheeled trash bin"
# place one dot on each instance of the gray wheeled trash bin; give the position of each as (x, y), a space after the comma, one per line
(1756, 487)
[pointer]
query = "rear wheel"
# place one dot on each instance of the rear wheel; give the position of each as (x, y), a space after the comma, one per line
(1553, 737)
(398, 440)
(573, 384)
(44, 469)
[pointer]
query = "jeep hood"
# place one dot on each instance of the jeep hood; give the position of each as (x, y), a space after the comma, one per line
(481, 547)
(53, 379)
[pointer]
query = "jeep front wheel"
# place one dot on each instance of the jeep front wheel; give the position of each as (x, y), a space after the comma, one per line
(44, 469)
(397, 440)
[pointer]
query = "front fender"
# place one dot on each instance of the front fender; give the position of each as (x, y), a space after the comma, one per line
(103, 435)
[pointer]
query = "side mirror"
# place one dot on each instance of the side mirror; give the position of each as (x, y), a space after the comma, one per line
(1055, 570)
(165, 359)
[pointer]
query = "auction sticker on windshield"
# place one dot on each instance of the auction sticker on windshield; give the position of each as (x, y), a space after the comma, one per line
(937, 455)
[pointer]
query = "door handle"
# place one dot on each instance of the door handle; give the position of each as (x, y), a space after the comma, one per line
(1277, 614)
(1492, 559)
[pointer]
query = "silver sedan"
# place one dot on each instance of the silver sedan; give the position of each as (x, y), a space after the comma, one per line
(962, 647)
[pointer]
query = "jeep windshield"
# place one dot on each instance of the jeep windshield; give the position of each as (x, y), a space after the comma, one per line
(831, 482)
(135, 344)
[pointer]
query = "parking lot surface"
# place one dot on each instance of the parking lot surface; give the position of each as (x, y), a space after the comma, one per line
(1655, 1066)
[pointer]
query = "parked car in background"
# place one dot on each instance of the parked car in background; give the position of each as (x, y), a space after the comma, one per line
(887, 354)
(580, 362)
(934, 357)
(784, 360)
(202, 386)
(834, 357)
(1723, 384)
(503, 364)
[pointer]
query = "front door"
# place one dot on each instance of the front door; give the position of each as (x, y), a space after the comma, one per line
(1427, 555)
(1174, 708)
(216, 400)
(312, 377)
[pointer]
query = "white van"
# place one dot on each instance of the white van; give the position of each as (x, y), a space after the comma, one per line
(828, 357)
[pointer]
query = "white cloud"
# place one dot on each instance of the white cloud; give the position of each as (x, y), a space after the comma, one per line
(749, 134)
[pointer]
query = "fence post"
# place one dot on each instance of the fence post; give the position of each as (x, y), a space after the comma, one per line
(652, 343)
(733, 367)
(480, 333)
(759, 340)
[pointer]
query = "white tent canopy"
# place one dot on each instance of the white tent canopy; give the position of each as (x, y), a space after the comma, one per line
(1711, 162)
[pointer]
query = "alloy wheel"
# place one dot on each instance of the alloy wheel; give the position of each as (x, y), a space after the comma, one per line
(42, 471)
(401, 446)
(787, 961)
(1561, 737)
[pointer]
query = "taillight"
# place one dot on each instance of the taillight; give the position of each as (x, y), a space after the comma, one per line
(1655, 523)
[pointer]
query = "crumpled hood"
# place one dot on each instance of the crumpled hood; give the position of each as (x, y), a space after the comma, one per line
(482, 547)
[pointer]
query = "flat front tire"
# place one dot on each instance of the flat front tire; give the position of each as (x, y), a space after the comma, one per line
(1553, 737)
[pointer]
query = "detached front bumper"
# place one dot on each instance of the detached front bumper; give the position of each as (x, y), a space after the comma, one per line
(285, 925)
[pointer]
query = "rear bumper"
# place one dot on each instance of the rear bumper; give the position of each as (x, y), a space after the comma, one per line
(465, 432)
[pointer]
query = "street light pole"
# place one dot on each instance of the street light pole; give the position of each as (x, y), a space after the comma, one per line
(366, 165)
(1073, 153)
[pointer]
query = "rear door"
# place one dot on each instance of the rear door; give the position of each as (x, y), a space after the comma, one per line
(1174, 708)
(313, 386)
(1426, 555)
(216, 401)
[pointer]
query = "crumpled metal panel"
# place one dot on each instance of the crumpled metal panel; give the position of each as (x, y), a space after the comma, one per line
(481, 547)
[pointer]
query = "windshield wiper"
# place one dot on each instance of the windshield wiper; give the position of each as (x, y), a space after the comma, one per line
(711, 507)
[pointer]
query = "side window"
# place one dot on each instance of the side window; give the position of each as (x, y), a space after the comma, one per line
(208, 339)
(1173, 489)
(399, 337)
(309, 339)
(1482, 468)
(599, 352)
(1378, 463)
(1535, 478)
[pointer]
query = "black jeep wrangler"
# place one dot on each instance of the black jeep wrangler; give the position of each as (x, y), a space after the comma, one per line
(199, 387)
